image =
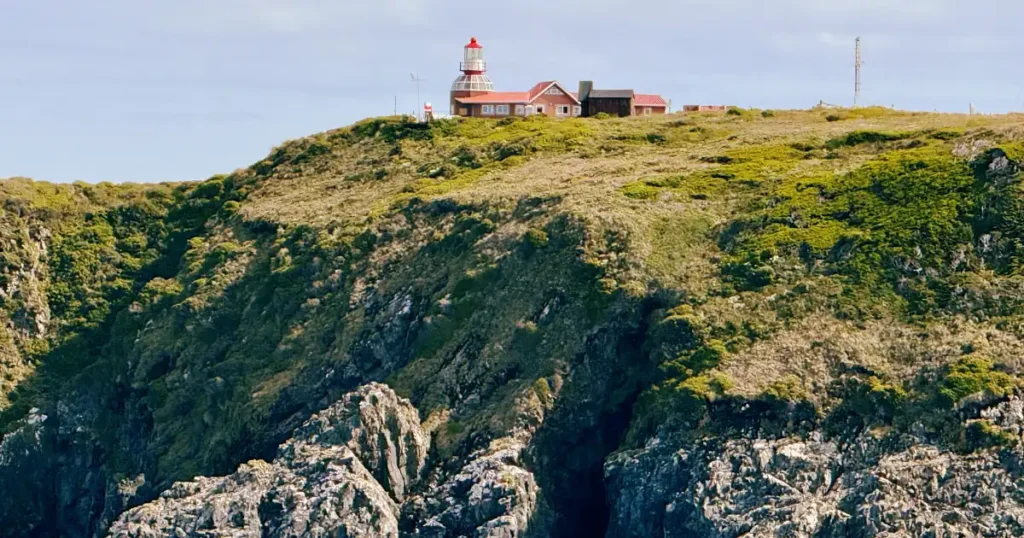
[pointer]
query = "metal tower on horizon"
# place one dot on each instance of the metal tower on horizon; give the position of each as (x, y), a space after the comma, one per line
(417, 80)
(856, 80)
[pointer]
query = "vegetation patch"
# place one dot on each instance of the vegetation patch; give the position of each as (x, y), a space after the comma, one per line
(983, 435)
(640, 190)
(867, 137)
(973, 376)
(908, 220)
(789, 389)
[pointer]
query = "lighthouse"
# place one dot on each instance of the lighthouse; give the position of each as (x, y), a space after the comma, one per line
(473, 81)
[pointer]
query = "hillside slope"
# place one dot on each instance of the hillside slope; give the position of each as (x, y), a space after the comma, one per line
(795, 322)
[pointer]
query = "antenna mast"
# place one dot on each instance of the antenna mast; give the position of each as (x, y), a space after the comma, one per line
(416, 78)
(856, 81)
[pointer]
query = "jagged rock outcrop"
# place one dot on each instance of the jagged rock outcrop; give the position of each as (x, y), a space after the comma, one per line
(380, 428)
(346, 472)
(492, 496)
(811, 487)
(342, 474)
(314, 491)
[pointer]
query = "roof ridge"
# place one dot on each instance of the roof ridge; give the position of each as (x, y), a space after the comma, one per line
(543, 86)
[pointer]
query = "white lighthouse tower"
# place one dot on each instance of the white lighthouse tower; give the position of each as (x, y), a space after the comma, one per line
(473, 81)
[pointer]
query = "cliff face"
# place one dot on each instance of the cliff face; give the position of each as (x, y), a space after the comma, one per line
(716, 325)
(813, 485)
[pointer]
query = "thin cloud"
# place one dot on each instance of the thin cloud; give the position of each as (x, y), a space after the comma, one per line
(916, 8)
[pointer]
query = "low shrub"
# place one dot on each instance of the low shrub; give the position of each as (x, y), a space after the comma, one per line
(973, 376)
(537, 238)
(867, 137)
(640, 190)
(983, 435)
(789, 389)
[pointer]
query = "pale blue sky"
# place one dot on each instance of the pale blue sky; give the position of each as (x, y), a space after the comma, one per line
(149, 90)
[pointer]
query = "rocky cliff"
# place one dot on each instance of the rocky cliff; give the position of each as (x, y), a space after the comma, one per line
(814, 486)
(343, 473)
(743, 324)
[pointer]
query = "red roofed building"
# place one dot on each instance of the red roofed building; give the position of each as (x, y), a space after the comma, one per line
(647, 104)
(548, 98)
(473, 95)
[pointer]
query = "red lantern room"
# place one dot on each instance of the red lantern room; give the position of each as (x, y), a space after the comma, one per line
(473, 80)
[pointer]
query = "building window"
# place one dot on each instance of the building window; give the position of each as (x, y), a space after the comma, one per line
(520, 110)
(487, 110)
(554, 91)
(540, 109)
(562, 110)
(501, 110)
(647, 112)
(577, 110)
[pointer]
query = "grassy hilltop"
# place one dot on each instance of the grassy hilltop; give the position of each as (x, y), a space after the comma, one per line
(853, 266)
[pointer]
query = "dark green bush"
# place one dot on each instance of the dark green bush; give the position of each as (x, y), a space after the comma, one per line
(503, 150)
(866, 137)
(655, 138)
(466, 157)
(749, 274)
(315, 149)
(537, 238)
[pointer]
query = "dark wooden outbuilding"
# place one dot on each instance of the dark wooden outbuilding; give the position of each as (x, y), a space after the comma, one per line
(612, 102)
